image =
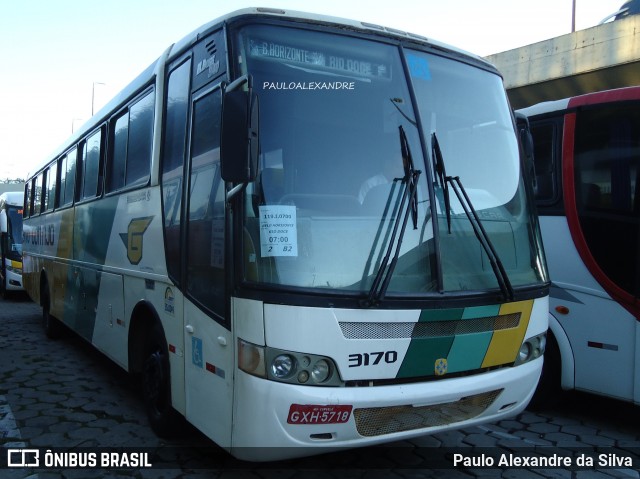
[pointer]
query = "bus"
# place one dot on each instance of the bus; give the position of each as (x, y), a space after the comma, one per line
(11, 242)
(587, 158)
(263, 226)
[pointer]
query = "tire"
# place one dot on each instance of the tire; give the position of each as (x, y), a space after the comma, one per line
(156, 385)
(52, 327)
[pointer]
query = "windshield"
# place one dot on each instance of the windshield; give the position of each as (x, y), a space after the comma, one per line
(467, 109)
(337, 126)
(14, 223)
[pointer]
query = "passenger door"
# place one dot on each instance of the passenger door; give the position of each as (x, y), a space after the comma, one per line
(208, 341)
(606, 172)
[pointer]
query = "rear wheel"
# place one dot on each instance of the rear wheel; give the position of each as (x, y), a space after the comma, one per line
(52, 327)
(156, 384)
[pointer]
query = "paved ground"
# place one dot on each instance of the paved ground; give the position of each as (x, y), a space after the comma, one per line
(64, 394)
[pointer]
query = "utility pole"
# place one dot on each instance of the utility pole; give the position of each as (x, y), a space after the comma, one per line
(93, 93)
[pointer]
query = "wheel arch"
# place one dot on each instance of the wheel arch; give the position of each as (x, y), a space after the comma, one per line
(567, 362)
(143, 318)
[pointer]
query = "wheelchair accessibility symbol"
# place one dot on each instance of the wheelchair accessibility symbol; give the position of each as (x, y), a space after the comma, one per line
(196, 352)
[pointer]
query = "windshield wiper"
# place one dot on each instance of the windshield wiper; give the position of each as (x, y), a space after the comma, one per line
(485, 241)
(408, 205)
(438, 166)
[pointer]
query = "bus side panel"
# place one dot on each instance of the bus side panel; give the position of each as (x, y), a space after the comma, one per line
(171, 315)
(110, 330)
(31, 276)
(134, 252)
(45, 238)
(636, 382)
(134, 240)
(600, 331)
(60, 273)
(209, 374)
(92, 230)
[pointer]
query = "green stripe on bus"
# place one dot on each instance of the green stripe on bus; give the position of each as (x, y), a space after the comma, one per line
(468, 352)
(463, 352)
(481, 311)
(427, 315)
(422, 355)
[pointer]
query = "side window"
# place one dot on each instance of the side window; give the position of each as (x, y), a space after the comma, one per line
(174, 147)
(115, 171)
(37, 194)
(45, 188)
(130, 162)
(91, 153)
(206, 217)
(62, 182)
(27, 199)
(70, 178)
(140, 141)
(607, 173)
(50, 194)
(544, 152)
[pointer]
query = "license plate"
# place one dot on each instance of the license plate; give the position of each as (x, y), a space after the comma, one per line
(312, 414)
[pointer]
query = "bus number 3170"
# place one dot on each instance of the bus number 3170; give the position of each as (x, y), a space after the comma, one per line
(372, 359)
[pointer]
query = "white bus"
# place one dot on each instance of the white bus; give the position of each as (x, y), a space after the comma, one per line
(209, 229)
(587, 162)
(11, 242)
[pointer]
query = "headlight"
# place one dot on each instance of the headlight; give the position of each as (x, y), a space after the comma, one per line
(525, 351)
(287, 366)
(320, 371)
(251, 358)
(540, 346)
(283, 366)
(532, 348)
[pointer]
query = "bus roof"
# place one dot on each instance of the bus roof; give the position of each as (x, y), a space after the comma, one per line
(545, 107)
(148, 75)
(313, 18)
(605, 96)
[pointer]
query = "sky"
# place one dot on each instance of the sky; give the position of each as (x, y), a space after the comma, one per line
(61, 59)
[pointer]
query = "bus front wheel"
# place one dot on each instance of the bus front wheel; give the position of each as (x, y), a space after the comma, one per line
(156, 385)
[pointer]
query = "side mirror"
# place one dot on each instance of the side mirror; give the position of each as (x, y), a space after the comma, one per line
(240, 142)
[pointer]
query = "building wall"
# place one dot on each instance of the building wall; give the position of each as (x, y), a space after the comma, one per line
(598, 58)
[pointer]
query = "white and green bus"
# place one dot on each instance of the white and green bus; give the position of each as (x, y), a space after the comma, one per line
(11, 242)
(263, 226)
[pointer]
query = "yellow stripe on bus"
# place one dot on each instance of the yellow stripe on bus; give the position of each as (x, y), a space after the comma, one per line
(505, 343)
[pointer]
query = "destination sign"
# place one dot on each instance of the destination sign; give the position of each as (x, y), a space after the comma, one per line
(318, 59)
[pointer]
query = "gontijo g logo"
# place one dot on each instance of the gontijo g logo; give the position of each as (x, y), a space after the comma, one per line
(132, 239)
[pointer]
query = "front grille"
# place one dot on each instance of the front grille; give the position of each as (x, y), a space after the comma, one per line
(428, 329)
(379, 421)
